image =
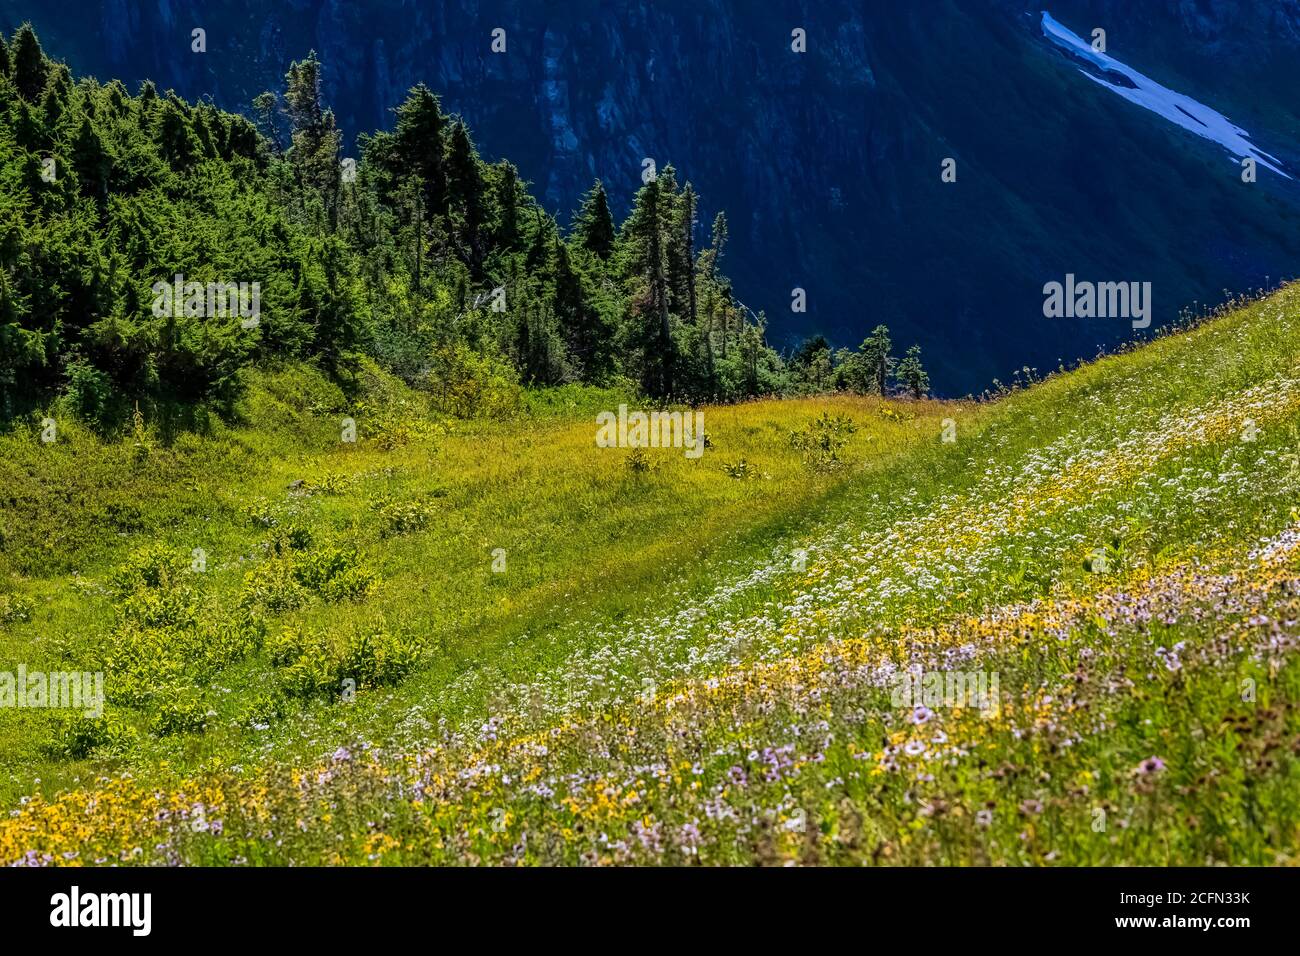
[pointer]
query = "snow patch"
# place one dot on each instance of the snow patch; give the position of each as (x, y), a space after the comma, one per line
(1182, 110)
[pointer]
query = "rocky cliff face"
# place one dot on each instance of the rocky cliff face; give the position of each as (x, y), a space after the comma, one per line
(828, 162)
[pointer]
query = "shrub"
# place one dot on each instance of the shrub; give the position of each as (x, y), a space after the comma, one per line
(152, 590)
(287, 647)
(264, 709)
(229, 640)
(90, 393)
(272, 586)
(312, 664)
(173, 608)
(78, 736)
(401, 517)
(142, 661)
(742, 470)
(263, 513)
(177, 715)
(164, 636)
(397, 432)
(336, 574)
(147, 662)
(154, 567)
(331, 483)
(822, 441)
(288, 538)
(469, 384)
(15, 609)
(638, 462)
(286, 581)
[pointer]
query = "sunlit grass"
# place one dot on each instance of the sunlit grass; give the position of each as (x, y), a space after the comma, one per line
(691, 661)
(574, 533)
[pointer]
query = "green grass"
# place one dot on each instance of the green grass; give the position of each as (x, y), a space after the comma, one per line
(424, 509)
(689, 661)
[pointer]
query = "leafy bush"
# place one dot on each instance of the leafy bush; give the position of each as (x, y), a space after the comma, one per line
(273, 586)
(742, 470)
(78, 736)
(264, 513)
(638, 462)
(177, 715)
(90, 395)
(336, 574)
(289, 578)
(397, 431)
(288, 646)
(290, 538)
(153, 567)
(331, 483)
(147, 662)
(172, 608)
(166, 636)
(822, 441)
(464, 383)
(313, 664)
(15, 609)
(401, 517)
(264, 709)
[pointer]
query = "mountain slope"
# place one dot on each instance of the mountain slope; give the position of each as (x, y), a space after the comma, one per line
(828, 164)
(1109, 561)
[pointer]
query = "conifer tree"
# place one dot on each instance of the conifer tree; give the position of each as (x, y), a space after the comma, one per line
(681, 255)
(643, 234)
(585, 335)
(714, 253)
(302, 101)
(505, 195)
(419, 145)
(92, 162)
(911, 374)
(751, 347)
(314, 136)
(542, 244)
(52, 107)
(29, 64)
(146, 103)
(594, 222)
(465, 194)
(876, 359)
(264, 109)
(176, 139)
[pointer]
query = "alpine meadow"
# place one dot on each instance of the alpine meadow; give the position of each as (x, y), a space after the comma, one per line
(361, 506)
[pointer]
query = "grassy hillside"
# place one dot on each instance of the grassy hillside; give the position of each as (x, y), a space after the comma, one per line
(683, 661)
(427, 551)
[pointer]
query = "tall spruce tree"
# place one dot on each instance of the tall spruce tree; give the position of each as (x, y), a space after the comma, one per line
(315, 139)
(643, 233)
(420, 148)
(92, 162)
(876, 359)
(585, 335)
(465, 192)
(264, 110)
(594, 222)
(911, 374)
(30, 67)
(681, 255)
(505, 196)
